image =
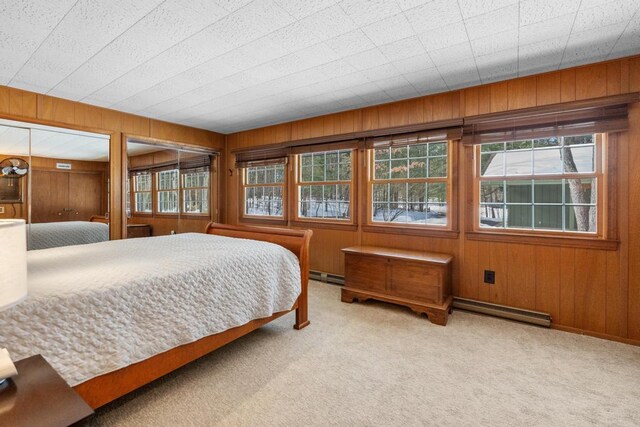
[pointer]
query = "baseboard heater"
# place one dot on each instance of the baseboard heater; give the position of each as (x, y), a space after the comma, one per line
(521, 315)
(497, 310)
(326, 277)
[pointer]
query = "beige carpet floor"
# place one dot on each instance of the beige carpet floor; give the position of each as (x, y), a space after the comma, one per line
(381, 365)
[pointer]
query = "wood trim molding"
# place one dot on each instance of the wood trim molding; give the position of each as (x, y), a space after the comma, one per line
(411, 231)
(544, 240)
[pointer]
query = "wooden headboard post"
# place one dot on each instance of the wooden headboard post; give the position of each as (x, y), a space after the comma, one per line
(297, 241)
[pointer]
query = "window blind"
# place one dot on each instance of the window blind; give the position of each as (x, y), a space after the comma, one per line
(608, 114)
(262, 156)
(453, 133)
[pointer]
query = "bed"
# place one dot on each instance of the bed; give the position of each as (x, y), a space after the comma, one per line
(45, 235)
(154, 304)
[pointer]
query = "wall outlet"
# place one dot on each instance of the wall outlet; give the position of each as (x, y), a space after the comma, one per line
(1, 209)
(490, 277)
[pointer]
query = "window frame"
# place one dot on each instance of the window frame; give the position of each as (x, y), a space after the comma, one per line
(280, 219)
(298, 183)
(157, 191)
(133, 191)
(183, 189)
(446, 231)
(605, 237)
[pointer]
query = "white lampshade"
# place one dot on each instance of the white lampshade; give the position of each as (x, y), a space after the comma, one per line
(13, 262)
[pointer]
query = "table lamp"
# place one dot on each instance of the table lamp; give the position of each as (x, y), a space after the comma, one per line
(13, 281)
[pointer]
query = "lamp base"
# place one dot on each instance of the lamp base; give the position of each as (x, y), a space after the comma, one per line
(4, 383)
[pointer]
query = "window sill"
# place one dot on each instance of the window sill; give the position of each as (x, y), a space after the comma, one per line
(263, 221)
(535, 239)
(411, 231)
(325, 224)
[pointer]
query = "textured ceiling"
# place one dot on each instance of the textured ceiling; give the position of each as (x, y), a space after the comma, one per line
(229, 65)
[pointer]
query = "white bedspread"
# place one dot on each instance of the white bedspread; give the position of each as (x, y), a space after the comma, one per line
(95, 308)
(45, 235)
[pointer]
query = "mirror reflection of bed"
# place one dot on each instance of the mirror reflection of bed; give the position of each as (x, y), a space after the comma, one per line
(169, 188)
(65, 186)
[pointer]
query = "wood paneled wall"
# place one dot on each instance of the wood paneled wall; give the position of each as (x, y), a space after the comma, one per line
(585, 290)
(30, 107)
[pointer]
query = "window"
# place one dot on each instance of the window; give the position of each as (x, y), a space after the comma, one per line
(195, 191)
(168, 183)
(546, 184)
(324, 185)
(409, 184)
(142, 193)
(264, 190)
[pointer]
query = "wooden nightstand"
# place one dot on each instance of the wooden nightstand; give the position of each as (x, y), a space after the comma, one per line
(38, 396)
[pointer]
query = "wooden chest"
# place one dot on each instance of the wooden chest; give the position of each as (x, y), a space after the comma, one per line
(418, 280)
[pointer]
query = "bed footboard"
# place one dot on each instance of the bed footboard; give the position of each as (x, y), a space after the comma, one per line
(297, 241)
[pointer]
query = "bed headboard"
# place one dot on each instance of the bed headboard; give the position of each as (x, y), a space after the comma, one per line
(297, 241)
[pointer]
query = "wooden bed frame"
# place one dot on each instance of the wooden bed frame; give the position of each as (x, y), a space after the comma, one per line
(101, 390)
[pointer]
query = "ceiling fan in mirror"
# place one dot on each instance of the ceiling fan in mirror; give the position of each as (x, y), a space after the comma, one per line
(14, 168)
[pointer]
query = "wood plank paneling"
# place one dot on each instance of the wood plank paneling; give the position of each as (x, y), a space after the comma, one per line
(590, 290)
(548, 88)
(521, 277)
(547, 280)
(591, 81)
(18, 104)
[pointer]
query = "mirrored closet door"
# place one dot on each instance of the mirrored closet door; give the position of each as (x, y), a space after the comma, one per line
(57, 180)
(169, 188)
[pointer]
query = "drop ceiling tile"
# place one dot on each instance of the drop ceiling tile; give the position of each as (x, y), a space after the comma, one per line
(617, 12)
(415, 63)
(75, 38)
(364, 12)
(174, 61)
(492, 22)
(427, 81)
(367, 59)
(316, 55)
(495, 43)
(451, 54)
(232, 5)
(402, 49)
(410, 4)
(24, 25)
(629, 41)
(350, 43)
(544, 55)
(148, 38)
(435, 14)
(498, 65)
(389, 30)
(460, 74)
(584, 46)
(403, 92)
(441, 37)
(472, 8)
(329, 22)
(559, 26)
(301, 9)
(294, 37)
(532, 11)
(381, 72)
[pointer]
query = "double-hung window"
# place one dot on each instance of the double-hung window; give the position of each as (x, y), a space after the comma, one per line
(142, 190)
(410, 184)
(549, 184)
(195, 191)
(324, 186)
(264, 191)
(168, 184)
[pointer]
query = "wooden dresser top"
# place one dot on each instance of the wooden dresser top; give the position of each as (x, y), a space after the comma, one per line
(430, 257)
